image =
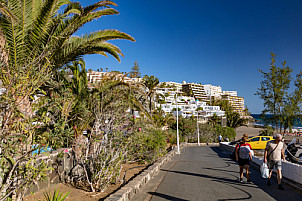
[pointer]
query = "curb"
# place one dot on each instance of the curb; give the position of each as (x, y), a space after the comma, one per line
(131, 188)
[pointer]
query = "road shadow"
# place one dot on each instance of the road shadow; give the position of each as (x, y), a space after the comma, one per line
(217, 179)
(258, 182)
(166, 197)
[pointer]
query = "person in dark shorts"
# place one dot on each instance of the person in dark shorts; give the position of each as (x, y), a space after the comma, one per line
(244, 157)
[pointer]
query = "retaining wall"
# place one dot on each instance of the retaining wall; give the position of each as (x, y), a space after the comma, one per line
(61, 167)
(290, 170)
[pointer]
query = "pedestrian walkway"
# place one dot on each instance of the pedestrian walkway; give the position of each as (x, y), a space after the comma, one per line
(207, 173)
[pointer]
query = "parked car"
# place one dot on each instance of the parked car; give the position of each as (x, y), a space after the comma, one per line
(259, 142)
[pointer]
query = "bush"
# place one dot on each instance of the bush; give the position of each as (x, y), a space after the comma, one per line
(225, 132)
(147, 145)
(187, 128)
(267, 131)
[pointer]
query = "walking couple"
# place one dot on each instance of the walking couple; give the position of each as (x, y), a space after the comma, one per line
(273, 154)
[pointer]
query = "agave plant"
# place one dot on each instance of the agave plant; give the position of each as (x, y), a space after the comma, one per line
(55, 196)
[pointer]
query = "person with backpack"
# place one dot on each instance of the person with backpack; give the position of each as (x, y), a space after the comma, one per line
(244, 157)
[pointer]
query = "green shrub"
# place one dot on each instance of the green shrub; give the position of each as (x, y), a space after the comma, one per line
(55, 197)
(225, 132)
(147, 145)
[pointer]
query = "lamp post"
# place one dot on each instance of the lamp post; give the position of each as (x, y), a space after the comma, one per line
(178, 152)
(197, 129)
(197, 123)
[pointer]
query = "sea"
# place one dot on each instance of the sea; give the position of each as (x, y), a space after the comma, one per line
(260, 122)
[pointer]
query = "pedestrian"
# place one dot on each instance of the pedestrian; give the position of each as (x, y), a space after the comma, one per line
(244, 158)
(219, 138)
(273, 154)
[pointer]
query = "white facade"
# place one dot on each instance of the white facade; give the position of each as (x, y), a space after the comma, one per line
(94, 77)
(188, 107)
(230, 93)
(211, 90)
(169, 91)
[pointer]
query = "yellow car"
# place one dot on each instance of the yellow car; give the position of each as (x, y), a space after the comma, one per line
(259, 142)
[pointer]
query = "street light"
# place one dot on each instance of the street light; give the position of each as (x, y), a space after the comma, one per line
(197, 129)
(178, 151)
(197, 123)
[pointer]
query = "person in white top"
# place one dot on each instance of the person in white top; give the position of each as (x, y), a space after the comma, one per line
(273, 154)
(219, 138)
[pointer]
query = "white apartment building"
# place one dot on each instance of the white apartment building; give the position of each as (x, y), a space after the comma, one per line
(195, 90)
(178, 86)
(213, 91)
(229, 93)
(236, 102)
(95, 76)
(188, 107)
(169, 91)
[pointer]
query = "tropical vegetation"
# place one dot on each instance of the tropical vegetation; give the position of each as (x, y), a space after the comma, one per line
(280, 100)
(47, 102)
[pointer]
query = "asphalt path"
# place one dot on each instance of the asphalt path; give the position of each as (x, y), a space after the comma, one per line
(207, 173)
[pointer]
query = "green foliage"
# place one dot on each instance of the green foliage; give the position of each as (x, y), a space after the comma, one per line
(54, 129)
(214, 120)
(274, 91)
(135, 71)
(39, 105)
(207, 134)
(56, 196)
(148, 145)
(150, 82)
(44, 32)
(225, 132)
(234, 120)
(186, 127)
(267, 131)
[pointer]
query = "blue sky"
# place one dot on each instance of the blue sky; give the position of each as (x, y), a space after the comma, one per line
(215, 42)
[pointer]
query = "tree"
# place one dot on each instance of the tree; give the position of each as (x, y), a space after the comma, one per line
(292, 109)
(150, 83)
(234, 120)
(45, 34)
(42, 38)
(135, 71)
(215, 119)
(36, 46)
(274, 92)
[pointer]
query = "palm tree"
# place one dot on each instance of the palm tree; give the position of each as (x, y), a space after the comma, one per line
(79, 78)
(234, 120)
(42, 39)
(43, 31)
(150, 83)
(4, 11)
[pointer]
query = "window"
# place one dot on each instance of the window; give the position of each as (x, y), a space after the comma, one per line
(265, 138)
(255, 139)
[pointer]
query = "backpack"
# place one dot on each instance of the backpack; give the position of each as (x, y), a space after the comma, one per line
(233, 155)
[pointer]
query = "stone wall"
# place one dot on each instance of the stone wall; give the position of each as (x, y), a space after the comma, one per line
(63, 159)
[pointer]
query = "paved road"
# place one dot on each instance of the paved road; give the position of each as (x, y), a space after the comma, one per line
(207, 173)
